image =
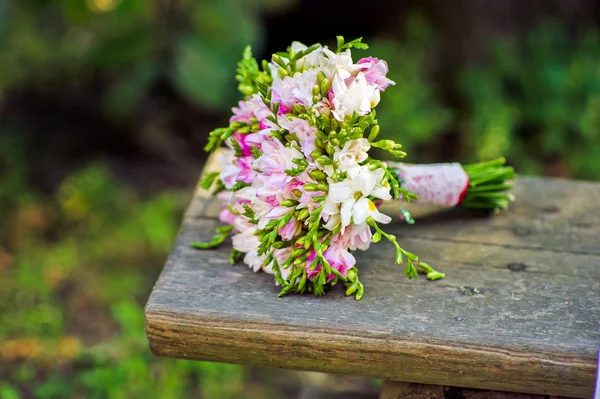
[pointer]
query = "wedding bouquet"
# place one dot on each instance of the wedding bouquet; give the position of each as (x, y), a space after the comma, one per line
(300, 186)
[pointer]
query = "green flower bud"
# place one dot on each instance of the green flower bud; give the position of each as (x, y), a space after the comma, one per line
(334, 124)
(321, 77)
(335, 142)
(387, 145)
(356, 133)
(319, 143)
(316, 90)
(289, 203)
(238, 124)
(398, 154)
(317, 174)
(303, 214)
(311, 186)
(352, 289)
(321, 135)
(329, 148)
(299, 109)
(351, 275)
(376, 237)
(316, 154)
(435, 276)
(325, 85)
(325, 120)
(374, 132)
(297, 252)
(281, 244)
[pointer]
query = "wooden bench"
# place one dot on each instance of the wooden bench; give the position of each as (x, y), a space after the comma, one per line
(519, 310)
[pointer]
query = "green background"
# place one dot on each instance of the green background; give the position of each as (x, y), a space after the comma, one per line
(105, 106)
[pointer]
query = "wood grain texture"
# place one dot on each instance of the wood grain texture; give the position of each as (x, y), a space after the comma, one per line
(519, 310)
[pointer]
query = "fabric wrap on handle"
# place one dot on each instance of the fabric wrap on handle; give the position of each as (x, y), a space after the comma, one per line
(443, 184)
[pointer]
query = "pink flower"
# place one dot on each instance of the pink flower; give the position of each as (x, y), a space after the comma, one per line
(356, 236)
(375, 72)
(244, 141)
(282, 93)
(251, 108)
(276, 157)
(283, 110)
(304, 131)
(281, 255)
(290, 230)
(226, 216)
(339, 258)
(230, 170)
(312, 273)
(246, 173)
(279, 211)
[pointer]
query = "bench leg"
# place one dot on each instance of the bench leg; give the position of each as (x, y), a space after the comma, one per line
(405, 390)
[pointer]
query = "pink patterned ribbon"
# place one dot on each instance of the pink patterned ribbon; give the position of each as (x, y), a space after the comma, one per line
(443, 184)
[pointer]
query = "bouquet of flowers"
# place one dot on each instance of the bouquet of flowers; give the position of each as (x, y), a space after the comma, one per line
(300, 187)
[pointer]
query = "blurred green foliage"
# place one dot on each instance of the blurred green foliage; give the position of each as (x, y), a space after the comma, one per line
(75, 271)
(535, 100)
(538, 101)
(411, 112)
(76, 266)
(129, 46)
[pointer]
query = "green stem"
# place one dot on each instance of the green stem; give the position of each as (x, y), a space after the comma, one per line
(431, 273)
(488, 186)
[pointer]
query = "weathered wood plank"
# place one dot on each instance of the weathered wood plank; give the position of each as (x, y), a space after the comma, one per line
(553, 214)
(517, 312)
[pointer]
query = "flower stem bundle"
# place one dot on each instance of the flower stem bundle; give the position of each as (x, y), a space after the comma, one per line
(483, 185)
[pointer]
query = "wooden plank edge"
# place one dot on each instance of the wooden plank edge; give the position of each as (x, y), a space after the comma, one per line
(409, 360)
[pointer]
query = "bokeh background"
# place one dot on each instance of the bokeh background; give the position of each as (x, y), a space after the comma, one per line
(105, 106)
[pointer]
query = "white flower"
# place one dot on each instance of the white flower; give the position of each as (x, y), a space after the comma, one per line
(309, 61)
(349, 199)
(253, 260)
(356, 236)
(349, 157)
(245, 241)
(313, 60)
(276, 157)
(230, 170)
(332, 63)
(305, 82)
(359, 97)
(303, 130)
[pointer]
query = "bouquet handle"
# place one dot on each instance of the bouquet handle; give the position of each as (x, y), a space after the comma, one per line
(483, 185)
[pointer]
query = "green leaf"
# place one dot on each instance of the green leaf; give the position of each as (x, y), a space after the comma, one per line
(208, 180)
